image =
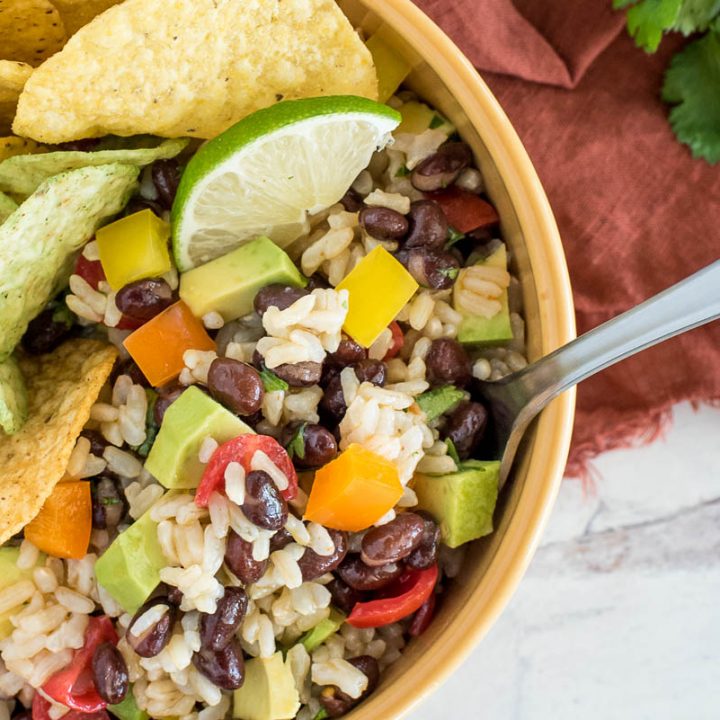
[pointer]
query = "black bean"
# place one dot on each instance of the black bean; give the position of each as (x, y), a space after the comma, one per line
(302, 374)
(152, 641)
(336, 702)
(166, 178)
(108, 507)
(432, 269)
(359, 576)
(224, 668)
(369, 666)
(333, 399)
(174, 595)
(138, 204)
(166, 397)
(218, 629)
(264, 505)
(466, 427)
(393, 541)
(425, 554)
(144, 299)
(21, 713)
(313, 565)
(97, 442)
(343, 596)
(422, 617)
(441, 169)
(372, 371)
(277, 295)
(83, 145)
(236, 385)
(317, 282)
(319, 446)
(47, 331)
(447, 363)
(282, 538)
(352, 201)
(240, 561)
(348, 353)
(383, 223)
(428, 226)
(130, 368)
(110, 673)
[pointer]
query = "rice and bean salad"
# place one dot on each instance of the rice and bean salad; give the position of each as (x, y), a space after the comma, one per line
(246, 574)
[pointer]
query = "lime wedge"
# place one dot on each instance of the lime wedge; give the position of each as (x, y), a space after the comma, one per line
(267, 173)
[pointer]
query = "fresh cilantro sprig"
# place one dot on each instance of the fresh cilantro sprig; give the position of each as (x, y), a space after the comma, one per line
(692, 81)
(271, 381)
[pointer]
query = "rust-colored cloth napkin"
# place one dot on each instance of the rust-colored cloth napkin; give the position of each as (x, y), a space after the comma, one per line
(636, 212)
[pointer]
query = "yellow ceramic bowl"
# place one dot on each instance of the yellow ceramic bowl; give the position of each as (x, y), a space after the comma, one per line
(493, 566)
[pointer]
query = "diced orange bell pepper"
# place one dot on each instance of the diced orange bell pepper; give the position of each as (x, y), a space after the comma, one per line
(354, 490)
(158, 346)
(62, 527)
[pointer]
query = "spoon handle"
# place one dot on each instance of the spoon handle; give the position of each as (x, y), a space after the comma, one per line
(686, 305)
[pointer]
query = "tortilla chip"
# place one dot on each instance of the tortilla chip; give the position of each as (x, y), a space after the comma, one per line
(30, 30)
(23, 174)
(76, 13)
(13, 76)
(13, 145)
(62, 387)
(191, 67)
(7, 207)
(13, 397)
(39, 240)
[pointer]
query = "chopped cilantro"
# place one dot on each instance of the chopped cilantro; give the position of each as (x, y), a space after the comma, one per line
(696, 15)
(437, 121)
(296, 446)
(321, 714)
(451, 273)
(271, 381)
(452, 451)
(151, 427)
(110, 501)
(649, 19)
(62, 314)
(437, 402)
(692, 85)
(455, 237)
(403, 170)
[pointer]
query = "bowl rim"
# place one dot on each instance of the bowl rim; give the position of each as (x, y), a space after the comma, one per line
(552, 281)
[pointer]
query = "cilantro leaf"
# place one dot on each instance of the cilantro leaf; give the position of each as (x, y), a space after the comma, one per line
(455, 236)
(322, 713)
(437, 121)
(296, 446)
(271, 381)
(649, 19)
(151, 427)
(402, 171)
(620, 4)
(452, 451)
(696, 15)
(692, 85)
(451, 273)
(110, 501)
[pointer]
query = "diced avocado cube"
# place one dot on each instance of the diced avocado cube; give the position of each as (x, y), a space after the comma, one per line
(391, 68)
(323, 630)
(133, 248)
(462, 502)
(437, 402)
(476, 330)
(228, 284)
(130, 568)
(173, 458)
(269, 691)
(418, 117)
(128, 709)
(10, 574)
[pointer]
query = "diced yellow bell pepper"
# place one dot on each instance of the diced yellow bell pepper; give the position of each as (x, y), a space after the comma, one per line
(379, 286)
(391, 68)
(133, 248)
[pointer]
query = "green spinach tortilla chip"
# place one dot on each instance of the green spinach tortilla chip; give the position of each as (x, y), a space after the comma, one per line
(61, 388)
(13, 397)
(23, 174)
(7, 207)
(39, 240)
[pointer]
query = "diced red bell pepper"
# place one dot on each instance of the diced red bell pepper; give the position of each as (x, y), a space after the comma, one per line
(464, 210)
(74, 686)
(241, 450)
(398, 341)
(41, 711)
(410, 592)
(89, 270)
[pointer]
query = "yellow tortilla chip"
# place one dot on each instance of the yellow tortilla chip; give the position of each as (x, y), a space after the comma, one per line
(76, 13)
(191, 67)
(61, 387)
(13, 145)
(13, 76)
(30, 30)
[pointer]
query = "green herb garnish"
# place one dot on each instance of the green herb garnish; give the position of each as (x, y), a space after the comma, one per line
(455, 236)
(402, 171)
(322, 713)
(437, 121)
(111, 501)
(296, 446)
(451, 273)
(437, 402)
(151, 427)
(452, 451)
(272, 382)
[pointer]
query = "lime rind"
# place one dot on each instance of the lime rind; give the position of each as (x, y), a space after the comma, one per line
(265, 174)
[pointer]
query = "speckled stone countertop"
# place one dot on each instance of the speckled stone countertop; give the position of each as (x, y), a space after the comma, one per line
(618, 616)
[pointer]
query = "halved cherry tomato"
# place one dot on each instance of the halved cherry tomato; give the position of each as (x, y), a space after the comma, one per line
(409, 593)
(464, 210)
(41, 711)
(398, 340)
(89, 270)
(241, 450)
(74, 686)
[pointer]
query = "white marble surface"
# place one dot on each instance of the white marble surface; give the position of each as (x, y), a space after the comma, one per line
(618, 616)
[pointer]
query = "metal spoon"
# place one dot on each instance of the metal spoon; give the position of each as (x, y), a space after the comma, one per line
(516, 399)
